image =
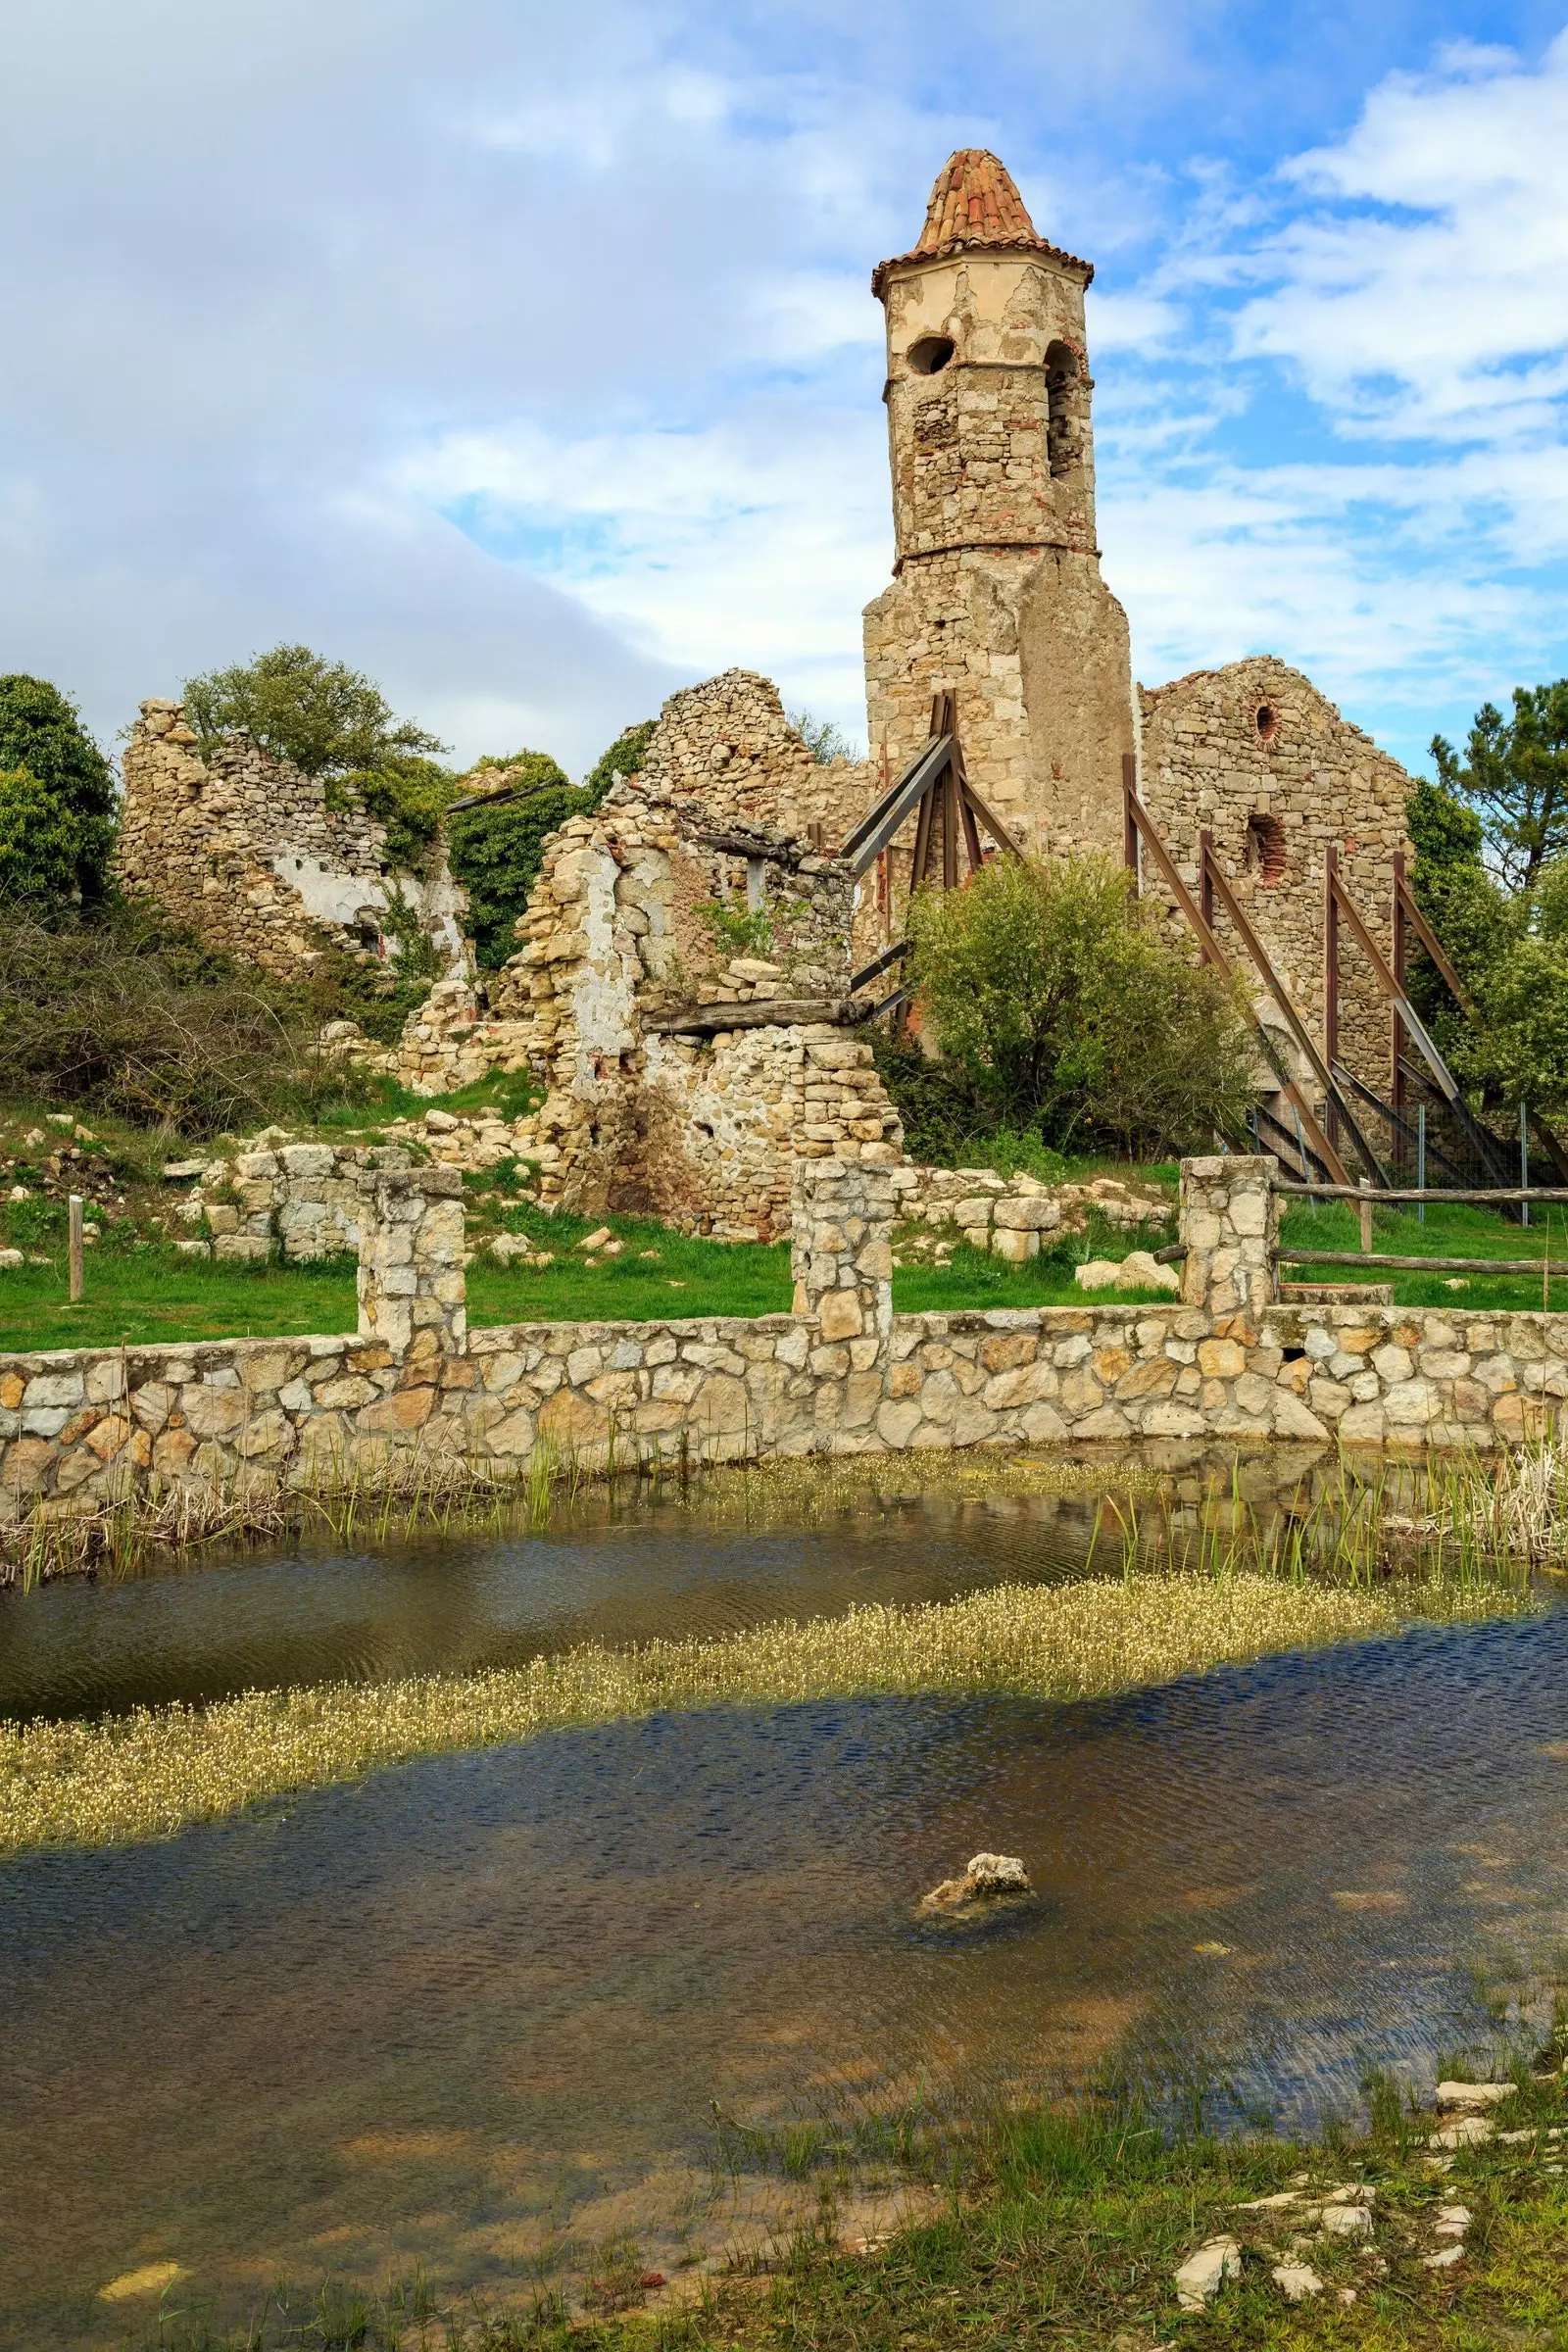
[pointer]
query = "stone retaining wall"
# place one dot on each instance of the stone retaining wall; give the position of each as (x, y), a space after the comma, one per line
(840, 1374)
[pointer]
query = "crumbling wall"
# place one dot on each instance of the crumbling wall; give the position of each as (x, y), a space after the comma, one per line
(678, 894)
(1257, 757)
(727, 745)
(257, 857)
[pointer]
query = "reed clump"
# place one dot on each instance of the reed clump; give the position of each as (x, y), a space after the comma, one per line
(150, 1772)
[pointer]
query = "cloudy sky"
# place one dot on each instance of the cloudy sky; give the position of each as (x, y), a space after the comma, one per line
(524, 356)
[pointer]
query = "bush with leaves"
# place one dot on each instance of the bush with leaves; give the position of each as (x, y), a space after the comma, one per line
(65, 818)
(822, 737)
(327, 718)
(624, 757)
(495, 851)
(410, 798)
(40, 844)
(1060, 1010)
(127, 1012)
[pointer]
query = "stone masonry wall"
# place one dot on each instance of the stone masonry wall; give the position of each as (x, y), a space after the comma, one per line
(247, 851)
(845, 1375)
(632, 922)
(1255, 756)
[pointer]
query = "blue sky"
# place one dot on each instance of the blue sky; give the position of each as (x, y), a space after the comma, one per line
(526, 357)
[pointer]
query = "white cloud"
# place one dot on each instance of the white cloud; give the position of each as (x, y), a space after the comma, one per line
(1435, 299)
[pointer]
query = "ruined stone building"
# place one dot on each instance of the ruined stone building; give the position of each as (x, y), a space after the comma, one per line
(682, 983)
(261, 858)
(998, 597)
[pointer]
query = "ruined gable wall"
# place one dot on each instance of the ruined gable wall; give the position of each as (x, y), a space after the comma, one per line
(621, 929)
(245, 848)
(727, 746)
(1212, 760)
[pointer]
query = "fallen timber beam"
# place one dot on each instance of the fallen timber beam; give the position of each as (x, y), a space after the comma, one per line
(1423, 1265)
(761, 1012)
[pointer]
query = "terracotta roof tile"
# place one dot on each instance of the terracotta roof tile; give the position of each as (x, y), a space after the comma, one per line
(975, 203)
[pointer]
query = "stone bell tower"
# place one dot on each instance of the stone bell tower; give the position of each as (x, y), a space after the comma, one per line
(997, 595)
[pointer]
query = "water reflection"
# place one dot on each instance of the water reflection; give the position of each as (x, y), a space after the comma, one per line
(480, 2002)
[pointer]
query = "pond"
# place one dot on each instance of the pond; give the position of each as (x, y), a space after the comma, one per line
(491, 2014)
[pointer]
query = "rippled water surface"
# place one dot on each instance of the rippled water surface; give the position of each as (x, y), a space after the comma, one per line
(480, 2002)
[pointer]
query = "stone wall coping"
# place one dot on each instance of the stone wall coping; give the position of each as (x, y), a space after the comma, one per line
(203, 1354)
(1285, 1322)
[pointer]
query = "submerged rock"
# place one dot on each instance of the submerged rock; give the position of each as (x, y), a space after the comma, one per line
(988, 1879)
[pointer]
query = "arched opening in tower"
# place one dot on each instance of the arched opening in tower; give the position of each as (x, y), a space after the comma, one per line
(1063, 415)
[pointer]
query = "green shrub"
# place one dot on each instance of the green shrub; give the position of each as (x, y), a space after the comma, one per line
(42, 737)
(327, 718)
(1061, 1010)
(40, 844)
(495, 852)
(624, 757)
(410, 798)
(124, 1011)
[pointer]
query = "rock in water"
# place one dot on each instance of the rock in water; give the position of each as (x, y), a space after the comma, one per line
(987, 1878)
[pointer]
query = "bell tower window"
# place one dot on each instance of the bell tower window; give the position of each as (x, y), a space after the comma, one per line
(1065, 411)
(930, 354)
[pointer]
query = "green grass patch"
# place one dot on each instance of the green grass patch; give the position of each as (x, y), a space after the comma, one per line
(1450, 1229)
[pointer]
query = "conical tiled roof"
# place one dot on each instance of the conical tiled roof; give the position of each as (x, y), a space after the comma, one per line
(974, 203)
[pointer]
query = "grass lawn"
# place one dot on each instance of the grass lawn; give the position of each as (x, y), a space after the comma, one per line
(1449, 1230)
(147, 1295)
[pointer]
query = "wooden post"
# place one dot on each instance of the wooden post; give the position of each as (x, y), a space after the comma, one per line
(1206, 882)
(77, 1283)
(1366, 1217)
(1331, 980)
(1129, 823)
(1395, 1025)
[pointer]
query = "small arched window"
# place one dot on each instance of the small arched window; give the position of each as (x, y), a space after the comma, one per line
(1065, 411)
(1265, 848)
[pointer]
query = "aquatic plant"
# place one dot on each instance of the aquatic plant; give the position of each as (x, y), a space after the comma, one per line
(149, 1773)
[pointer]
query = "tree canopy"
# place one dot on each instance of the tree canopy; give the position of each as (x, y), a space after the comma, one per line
(1061, 1009)
(57, 798)
(1514, 777)
(327, 719)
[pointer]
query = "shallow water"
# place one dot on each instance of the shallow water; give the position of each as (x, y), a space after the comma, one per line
(480, 2002)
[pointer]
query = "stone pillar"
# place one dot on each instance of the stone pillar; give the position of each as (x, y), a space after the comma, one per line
(412, 1293)
(841, 1216)
(1230, 1222)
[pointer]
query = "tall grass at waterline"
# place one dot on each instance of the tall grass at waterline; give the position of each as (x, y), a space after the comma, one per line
(147, 1773)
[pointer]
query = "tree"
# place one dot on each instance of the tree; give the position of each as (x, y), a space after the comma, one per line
(1059, 1008)
(496, 851)
(327, 718)
(410, 799)
(42, 737)
(821, 738)
(40, 844)
(1516, 779)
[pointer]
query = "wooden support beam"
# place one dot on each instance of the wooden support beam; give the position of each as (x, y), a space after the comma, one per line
(1333, 1092)
(1214, 953)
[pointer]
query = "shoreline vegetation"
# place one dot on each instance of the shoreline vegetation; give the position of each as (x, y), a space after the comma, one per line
(1062, 2229)
(151, 1773)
